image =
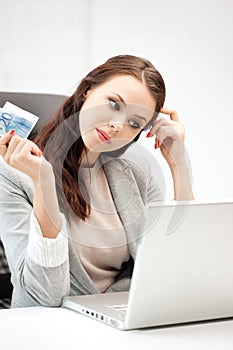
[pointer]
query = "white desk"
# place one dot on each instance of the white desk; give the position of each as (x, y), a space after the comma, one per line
(61, 329)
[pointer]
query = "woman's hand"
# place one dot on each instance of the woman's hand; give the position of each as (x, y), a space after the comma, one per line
(25, 156)
(170, 138)
(170, 135)
(4, 140)
(21, 154)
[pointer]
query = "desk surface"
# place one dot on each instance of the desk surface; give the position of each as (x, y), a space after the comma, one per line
(59, 329)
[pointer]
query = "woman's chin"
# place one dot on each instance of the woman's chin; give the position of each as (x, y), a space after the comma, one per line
(106, 147)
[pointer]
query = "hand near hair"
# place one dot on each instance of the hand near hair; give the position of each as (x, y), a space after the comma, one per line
(170, 134)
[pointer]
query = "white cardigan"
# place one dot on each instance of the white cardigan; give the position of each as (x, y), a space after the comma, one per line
(45, 270)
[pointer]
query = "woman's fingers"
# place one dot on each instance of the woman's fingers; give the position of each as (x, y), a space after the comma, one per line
(4, 141)
(20, 149)
(175, 133)
(167, 128)
(30, 148)
(158, 124)
(172, 112)
(10, 152)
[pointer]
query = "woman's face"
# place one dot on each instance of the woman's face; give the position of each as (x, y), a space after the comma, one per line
(114, 112)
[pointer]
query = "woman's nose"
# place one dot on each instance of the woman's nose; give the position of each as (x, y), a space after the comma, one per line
(116, 126)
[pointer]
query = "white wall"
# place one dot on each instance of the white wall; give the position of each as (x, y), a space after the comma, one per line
(50, 44)
(43, 44)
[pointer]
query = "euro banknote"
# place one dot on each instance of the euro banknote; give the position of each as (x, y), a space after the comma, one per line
(14, 117)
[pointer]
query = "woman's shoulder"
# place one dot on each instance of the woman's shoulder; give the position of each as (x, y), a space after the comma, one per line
(136, 161)
(139, 158)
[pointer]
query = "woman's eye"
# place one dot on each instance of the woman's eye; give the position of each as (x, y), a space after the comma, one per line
(134, 124)
(114, 105)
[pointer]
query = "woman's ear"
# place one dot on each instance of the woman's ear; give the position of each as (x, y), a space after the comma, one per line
(86, 93)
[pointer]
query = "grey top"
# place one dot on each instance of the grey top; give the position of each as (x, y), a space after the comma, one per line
(132, 184)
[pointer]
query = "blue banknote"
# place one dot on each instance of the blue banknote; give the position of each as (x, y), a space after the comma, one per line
(13, 117)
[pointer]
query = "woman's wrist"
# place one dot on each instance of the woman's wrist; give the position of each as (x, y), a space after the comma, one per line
(181, 180)
(178, 163)
(45, 174)
(45, 205)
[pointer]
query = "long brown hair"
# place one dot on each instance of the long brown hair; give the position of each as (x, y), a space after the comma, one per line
(60, 138)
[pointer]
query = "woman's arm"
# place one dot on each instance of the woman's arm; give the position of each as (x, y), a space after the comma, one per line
(39, 265)
(37, 275)
(181, 181)
(45, 203)
(26, 157)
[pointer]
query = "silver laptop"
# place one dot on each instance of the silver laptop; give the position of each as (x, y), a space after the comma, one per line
(183, 270)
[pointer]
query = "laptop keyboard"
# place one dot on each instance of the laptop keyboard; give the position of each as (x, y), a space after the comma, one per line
(119, 307)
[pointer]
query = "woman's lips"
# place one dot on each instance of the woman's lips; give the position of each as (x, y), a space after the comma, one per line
(103, 136)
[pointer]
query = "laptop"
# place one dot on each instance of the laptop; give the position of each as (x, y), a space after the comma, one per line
(183, 270)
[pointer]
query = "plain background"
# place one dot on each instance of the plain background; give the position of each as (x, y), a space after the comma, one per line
(49, 45)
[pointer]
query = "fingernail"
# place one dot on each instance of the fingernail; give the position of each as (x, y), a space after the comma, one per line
(39, 153)
(149, 135)
(155, 146)
(11, 132)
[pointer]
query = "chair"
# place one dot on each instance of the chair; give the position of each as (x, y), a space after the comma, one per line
(6, 287)
(44, 106)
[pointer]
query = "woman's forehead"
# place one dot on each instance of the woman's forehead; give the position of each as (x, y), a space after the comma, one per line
(130, 89)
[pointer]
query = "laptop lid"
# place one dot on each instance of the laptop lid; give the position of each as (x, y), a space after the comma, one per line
(182, 273)
(184, 266)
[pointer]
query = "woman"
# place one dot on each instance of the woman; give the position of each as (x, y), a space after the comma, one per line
(71, 218)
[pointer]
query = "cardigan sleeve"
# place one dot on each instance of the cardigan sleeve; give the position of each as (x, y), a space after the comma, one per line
(39, 266)
(45, 251)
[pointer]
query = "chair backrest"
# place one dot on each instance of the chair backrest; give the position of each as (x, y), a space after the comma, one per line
(42, 105)
(6, 287)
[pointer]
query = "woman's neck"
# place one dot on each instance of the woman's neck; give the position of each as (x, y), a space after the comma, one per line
(89, 159)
